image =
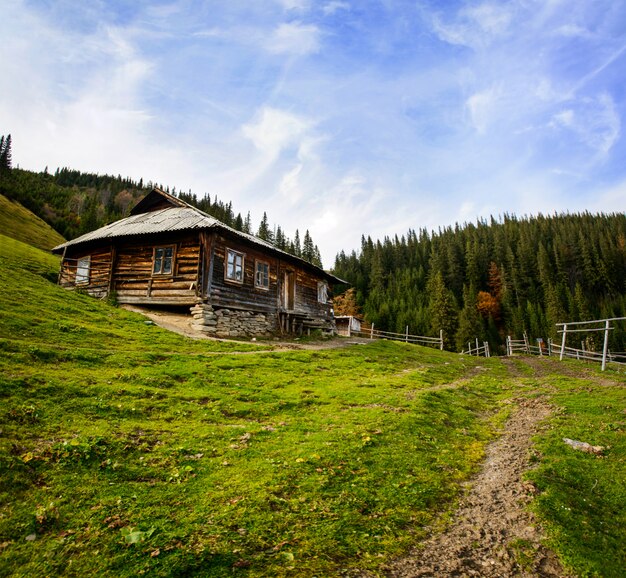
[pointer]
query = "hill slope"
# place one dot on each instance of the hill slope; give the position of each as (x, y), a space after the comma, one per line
(19, 223)
(127, 450)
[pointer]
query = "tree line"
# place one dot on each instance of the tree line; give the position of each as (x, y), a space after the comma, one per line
(495, 278)
(75, 202)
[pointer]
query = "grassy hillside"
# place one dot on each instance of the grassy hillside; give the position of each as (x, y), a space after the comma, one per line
(19, 223)
(127, 450)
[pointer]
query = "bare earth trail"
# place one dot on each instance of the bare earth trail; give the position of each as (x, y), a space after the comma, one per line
(493, 533)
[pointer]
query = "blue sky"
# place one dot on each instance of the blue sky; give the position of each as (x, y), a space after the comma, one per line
(337, 116)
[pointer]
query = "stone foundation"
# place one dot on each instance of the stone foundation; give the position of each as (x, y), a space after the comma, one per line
(232, 322)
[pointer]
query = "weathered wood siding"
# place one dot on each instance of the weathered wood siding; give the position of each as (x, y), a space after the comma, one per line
(99, 270)
(306, 301)
(135, 282)
(230, 294)
(225, 293)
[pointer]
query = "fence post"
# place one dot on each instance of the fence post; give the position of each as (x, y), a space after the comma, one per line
(526, 343)
(549, 346)
(441, 339)
(406, 334)
(508, 346)
(486, 344)
(469, 348)
(563, 342)
(372, 331)
(606, 344)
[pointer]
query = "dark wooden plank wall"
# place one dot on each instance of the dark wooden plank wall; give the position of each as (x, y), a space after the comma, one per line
(247, 296)
(237, 295)
(99, 270)
(306, 294)
(133, 279)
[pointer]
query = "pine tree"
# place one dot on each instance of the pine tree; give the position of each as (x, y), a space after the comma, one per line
(317, 258)
(442, 310)
(308, 248)
(470, 325)
(247, 225)
(264, 229)
(5, 155)
(297, 248)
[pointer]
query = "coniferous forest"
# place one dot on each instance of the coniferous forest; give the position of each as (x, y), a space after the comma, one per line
(495, 278)
(74, 202)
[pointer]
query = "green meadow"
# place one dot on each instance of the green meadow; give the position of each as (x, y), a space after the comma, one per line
(126, 450)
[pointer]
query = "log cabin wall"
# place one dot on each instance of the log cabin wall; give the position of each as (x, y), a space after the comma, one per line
(87, 269)
(246, 294)
(136, 281)
(243, 306)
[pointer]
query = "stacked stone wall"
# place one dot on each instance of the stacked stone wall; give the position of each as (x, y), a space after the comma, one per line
(232, 322)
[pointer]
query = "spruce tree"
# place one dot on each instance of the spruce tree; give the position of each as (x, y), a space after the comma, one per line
(5, 154)
(308, 248)
(264, 229)
(297, 247)
(442, 310)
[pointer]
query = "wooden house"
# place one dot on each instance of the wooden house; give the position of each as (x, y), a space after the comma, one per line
(170, 253)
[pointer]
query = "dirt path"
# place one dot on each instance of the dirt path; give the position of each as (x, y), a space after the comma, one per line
(493, 533)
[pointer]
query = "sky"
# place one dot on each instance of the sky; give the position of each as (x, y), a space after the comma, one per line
(342, 117)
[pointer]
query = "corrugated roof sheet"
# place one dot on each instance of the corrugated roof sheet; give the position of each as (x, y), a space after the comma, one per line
(172, 219)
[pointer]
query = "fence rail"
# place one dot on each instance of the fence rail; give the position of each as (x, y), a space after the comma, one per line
(372, 333)
(551, 348)
(478, 350)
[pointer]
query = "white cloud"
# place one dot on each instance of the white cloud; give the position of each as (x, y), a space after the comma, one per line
(331, 7)
(290, 187)
(294, 38)
(481, 107)
(300, 5)
(275, 130)
(475, 26)
(595, 122)
(564, 118)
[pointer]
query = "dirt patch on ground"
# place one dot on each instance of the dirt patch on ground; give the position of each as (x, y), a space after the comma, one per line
(493, 533)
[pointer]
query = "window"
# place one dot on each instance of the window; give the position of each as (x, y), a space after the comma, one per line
(322, 292)
(82, 270)
(163, 261)
(262, 275)
(234, 266)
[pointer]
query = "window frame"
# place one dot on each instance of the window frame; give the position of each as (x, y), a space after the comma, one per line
(236, 253)
(163, 248)
(82, 277)
(322, 297)
(258, 285)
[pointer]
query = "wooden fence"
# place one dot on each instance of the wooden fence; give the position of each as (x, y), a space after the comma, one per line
(478, 350)
(550, 348)
(526, 346)
(603, 325)
(372, 333)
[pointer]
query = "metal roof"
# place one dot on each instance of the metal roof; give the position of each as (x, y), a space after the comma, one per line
(174, 219)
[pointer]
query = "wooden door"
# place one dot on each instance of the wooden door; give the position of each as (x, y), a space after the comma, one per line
(289, 291)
